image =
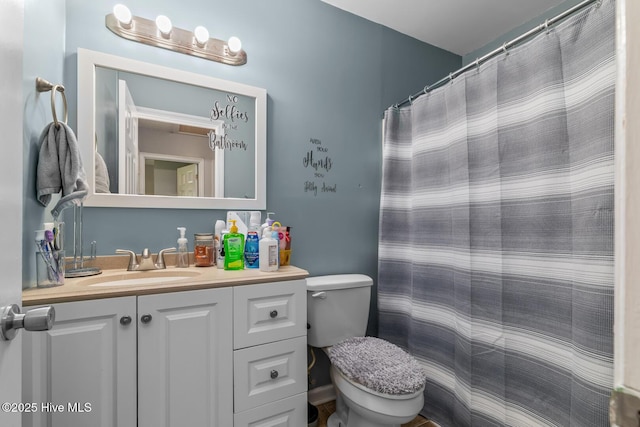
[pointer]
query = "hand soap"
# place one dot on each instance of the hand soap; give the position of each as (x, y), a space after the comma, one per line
(233, 249)
(182, 259)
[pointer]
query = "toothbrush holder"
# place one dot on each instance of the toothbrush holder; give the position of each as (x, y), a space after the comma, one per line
(49, 267)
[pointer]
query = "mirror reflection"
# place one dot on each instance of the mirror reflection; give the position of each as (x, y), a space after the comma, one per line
(165, 134)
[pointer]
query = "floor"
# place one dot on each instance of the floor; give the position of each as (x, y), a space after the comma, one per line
(329, 408)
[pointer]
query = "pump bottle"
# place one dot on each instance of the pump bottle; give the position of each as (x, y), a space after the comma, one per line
(233, 248)
(268, 251)
(267, 223)
(182, 259)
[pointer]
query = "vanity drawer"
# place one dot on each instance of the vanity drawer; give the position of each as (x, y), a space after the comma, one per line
(269, 312)
(269, 372)
(289, 412)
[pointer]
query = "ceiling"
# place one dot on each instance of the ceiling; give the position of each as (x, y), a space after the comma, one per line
(459, 26)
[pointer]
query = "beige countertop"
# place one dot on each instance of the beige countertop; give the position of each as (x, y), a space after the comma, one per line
(171, 279)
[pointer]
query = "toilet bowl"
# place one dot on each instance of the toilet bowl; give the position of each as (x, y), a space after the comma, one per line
(367, 408)
(377, 383)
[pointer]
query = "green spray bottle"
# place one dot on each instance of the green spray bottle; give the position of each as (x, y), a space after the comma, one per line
(233, 248)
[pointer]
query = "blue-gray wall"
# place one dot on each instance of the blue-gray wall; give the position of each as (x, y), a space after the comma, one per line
(44, 45)
(329, 76)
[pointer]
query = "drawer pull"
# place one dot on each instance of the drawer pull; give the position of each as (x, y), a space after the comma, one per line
(274, 374)
(125, 320)
(274, 314)
(146, 318)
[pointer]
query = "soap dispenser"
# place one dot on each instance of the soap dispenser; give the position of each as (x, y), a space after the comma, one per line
(233, 248)
(182, 259)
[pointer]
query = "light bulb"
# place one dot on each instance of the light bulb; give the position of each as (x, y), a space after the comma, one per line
(164, 25)
(235, 45)
(201, 34)
(122, 14)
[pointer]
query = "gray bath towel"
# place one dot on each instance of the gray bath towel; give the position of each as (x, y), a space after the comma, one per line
(60, 168)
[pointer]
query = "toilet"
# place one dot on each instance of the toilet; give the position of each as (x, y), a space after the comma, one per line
(377, 383)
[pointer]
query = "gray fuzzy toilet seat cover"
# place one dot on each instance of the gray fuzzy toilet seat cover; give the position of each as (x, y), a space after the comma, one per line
(378, 365)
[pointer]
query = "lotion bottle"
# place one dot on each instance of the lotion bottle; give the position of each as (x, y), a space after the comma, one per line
(182, 259)
(268, 251)
(233, 249)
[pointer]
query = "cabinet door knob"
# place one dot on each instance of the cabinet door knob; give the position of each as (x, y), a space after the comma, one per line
(274, 374)
(274, 314)
(125, 320)
(146, 318)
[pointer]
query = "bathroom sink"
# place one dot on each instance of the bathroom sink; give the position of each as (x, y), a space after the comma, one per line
(137, 278)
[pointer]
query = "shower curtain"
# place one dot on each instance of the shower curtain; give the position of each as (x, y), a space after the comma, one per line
(496, 232)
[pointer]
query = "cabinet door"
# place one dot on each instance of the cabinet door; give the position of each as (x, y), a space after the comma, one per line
(83, 371)
(185, 358)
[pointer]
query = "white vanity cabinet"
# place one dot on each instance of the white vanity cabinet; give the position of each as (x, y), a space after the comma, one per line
(153, 360)
(219, 357)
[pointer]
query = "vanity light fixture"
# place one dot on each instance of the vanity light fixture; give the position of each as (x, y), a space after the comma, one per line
(161, 33)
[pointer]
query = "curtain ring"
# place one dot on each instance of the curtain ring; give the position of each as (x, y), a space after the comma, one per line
(504, 48)
(451, 77)
(58, 88)
(426, 89)
(546, 25)
(410, 99)
(477, 63)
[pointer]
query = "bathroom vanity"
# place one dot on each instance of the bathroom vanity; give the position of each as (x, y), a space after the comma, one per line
(196, 346)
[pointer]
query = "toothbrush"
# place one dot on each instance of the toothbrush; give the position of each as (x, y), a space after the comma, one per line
(50, 238)
(44, 253)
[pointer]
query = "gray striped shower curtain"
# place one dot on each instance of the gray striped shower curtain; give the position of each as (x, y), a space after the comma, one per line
(496, 232)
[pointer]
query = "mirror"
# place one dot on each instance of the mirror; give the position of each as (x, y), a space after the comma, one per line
(153, 136)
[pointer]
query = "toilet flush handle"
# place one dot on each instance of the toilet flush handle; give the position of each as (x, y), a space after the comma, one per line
(321, 295)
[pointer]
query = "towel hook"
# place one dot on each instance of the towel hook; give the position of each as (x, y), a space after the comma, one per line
(44, 86)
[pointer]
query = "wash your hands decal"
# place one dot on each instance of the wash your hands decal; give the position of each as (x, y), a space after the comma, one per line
(317, 158)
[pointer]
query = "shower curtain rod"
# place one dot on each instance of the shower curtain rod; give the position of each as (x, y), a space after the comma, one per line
(544, 26)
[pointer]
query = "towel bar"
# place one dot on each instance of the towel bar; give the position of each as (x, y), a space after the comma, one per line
(44, 86)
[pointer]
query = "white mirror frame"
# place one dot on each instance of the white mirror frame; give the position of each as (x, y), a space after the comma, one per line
(88, 61)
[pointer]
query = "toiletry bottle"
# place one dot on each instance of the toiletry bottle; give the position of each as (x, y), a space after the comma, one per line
(233, 249)
(220, 225)
(267, 223)
(268, 251)
(220, 254)
(182, 259)
(251, 246)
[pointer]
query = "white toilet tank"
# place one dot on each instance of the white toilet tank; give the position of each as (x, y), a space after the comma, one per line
(337, 308)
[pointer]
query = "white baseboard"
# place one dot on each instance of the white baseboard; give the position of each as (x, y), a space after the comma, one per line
(323, 394)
